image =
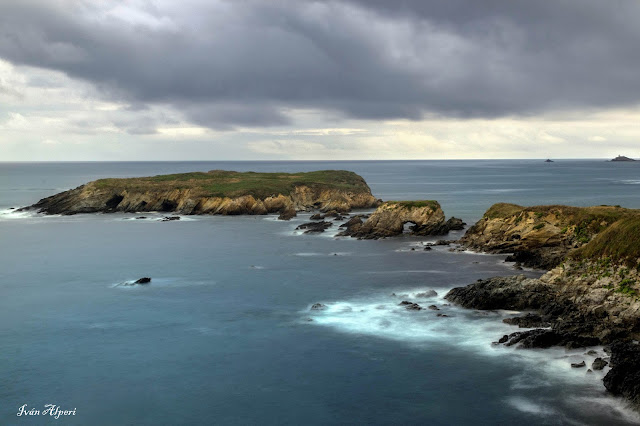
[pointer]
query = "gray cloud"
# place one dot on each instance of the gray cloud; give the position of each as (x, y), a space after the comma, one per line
(231, 63)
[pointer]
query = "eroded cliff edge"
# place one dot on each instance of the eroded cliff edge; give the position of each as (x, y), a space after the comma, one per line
(590, 296)
(217, 192)
(424, 217)
(540, 236)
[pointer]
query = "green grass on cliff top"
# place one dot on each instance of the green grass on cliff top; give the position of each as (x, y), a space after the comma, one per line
(413, 204)
(221, 183)
(620, 242)
(567, 215)
(615, 230)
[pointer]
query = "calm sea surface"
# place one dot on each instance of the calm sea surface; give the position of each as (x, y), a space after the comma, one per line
(224, 334)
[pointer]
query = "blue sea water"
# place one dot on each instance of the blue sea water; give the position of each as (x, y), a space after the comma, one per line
(224, 334)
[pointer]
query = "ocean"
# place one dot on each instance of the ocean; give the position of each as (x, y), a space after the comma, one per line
(224, 334)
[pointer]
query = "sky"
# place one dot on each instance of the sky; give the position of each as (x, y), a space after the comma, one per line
(98, 80)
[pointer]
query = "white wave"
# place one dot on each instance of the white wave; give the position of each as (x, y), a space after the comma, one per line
(408, 271)
(630, 182)
(528, 406)
(617, 407)
(381, 316)
(313, 254)
(12, 214)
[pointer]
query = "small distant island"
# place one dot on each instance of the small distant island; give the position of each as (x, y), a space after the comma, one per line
(548, 160)
(622, 158)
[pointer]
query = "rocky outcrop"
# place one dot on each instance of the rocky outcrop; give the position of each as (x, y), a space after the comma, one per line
(624, 377)
(539, 236)
(424, 217)
(314, 227)
(217, 193)
(580, 304)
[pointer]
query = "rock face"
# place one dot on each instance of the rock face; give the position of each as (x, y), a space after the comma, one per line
(585, 303)
(539, 236)
(217, 192)
(425, 217)
(624, 377)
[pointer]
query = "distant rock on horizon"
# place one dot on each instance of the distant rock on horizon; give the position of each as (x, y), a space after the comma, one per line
(622, 158)
(548, 160)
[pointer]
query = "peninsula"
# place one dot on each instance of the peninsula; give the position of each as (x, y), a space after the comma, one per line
(590, 294)
(217, 192)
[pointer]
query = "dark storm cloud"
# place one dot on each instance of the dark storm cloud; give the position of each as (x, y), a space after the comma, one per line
(245, 63)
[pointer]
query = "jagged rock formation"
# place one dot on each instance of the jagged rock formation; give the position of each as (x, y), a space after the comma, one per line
(217, 192)
(425, 217)
(586, 302)
(539, 236)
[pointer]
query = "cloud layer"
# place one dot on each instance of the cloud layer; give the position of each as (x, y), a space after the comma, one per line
(224, 64)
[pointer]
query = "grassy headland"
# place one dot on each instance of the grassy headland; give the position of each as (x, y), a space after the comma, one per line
(221, 183)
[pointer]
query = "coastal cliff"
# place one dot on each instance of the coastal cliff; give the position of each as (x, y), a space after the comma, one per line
(217, 192)
(425, 218)
(539, 236)
(591, 297)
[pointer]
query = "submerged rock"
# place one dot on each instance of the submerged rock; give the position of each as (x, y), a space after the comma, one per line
(427, 294)
(318, 307)
(169, 218)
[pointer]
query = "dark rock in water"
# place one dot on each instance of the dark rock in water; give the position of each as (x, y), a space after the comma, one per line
(455, 224)
(442, 315)
(169, 218)
(578, 365)
(428, 293)
(427, 248)
(444, 242)
(599, 364)
(141, 217)
(548, 160)
(504, 339)
(410, 305)
(318, 307)
(434, 308)
(624, 376)
(527, 321)
(352, 226)
(589, 371)
(591, 352)
(413, 249)
(317, 216)
(143, 280)
(622, 158)
(543, 338)
(516, 293)
(287, 214)
(12, 208)
(315, 227)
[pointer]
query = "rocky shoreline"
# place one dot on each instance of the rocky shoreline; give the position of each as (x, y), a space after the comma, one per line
(588, 297)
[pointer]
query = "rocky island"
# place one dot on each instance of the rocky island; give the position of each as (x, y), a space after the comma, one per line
(622, 158)
(424, 217)
(591, 293)
(217, 192)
